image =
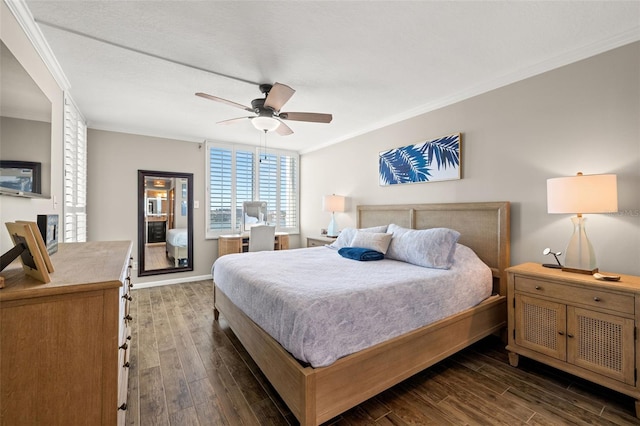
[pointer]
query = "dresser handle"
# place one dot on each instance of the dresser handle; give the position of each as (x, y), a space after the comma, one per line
(537, 287)
(570, 335)
(123, 407)
(561, 333)
(123, 346)
(596, 299)
(128, 318)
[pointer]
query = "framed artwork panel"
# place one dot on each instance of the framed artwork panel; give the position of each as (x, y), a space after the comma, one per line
(430, 161)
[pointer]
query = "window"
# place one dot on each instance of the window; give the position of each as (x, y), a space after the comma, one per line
(75, 174)
(238, 173)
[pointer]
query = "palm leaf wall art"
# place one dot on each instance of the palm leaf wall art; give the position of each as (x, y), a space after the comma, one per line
(430, 161)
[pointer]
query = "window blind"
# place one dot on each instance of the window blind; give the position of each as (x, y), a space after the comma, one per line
(75, 174)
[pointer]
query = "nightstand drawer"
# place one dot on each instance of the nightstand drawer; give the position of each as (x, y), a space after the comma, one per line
(585, 296)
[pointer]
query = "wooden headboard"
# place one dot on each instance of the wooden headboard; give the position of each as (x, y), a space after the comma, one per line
(484, 227)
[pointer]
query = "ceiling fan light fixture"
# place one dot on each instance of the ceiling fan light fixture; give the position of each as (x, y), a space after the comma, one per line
(265, 124)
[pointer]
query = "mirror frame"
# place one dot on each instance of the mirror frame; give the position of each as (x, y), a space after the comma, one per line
(142, 174)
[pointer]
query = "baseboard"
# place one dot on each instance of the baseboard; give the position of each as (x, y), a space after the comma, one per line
(171, 281)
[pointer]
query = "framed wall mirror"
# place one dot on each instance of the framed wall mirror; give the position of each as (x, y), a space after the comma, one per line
(165, 222)
(25, 131)
(253, 213)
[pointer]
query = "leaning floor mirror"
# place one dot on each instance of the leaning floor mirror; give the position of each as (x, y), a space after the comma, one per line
(165, 222)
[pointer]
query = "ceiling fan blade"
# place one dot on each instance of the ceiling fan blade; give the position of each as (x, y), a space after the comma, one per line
(232, 120)
(283, 129)
(314, 117)
(278, 96)
(224, 101)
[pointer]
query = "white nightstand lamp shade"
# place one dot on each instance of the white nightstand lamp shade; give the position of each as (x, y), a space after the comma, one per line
(333, 203)
(581, 194)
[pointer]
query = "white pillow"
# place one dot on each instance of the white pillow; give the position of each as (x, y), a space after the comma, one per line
(346, 235)
(372, 240)
(431, 248)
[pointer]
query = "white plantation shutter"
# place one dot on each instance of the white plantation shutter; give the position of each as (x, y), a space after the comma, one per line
(240, 173)
(244, 182)
(220, 189)
(75, 174)
(278, 186)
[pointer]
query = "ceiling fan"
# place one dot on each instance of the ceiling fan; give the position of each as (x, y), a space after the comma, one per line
(268, 116)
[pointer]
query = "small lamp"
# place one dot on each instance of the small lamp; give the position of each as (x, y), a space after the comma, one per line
(333, 203)
(581, 194)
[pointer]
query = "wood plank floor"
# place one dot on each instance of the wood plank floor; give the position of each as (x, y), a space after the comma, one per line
(189, 370)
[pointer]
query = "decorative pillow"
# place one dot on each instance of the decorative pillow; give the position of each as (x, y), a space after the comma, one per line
(431, 248)
(346, 235)
(372, 240)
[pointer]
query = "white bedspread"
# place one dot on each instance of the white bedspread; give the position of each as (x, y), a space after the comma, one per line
(321, 306)
(177, 237)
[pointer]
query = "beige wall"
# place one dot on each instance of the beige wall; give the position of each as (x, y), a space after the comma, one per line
(581, 117)
(15, 208)
(113, 161)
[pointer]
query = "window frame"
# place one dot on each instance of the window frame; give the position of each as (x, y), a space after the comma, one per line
(257, 152)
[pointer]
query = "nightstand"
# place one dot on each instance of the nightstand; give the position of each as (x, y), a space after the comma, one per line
(319, 240)
(577, 324)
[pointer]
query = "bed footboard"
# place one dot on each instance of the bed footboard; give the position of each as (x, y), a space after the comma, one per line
(315, 395)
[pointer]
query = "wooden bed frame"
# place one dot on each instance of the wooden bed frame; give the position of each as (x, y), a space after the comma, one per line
(315, 395)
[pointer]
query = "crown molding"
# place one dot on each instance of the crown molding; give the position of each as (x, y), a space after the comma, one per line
(23, 15)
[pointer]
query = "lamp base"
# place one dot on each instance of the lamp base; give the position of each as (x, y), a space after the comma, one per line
(332, 229)
(552, 265)
(580, 271)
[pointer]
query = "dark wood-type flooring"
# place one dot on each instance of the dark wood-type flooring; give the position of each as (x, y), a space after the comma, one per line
(189, 370)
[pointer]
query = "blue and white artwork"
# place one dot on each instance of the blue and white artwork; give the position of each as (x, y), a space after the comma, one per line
(430, 161)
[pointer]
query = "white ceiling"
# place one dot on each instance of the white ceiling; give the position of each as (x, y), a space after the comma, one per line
(369, 63)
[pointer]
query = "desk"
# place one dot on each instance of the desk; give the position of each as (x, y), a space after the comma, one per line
(239, 243)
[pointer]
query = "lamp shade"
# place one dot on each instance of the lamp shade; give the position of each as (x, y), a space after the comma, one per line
(582, 194)
(333, 203)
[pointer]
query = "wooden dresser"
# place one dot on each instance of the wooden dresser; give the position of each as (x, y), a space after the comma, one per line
(239, 243)
(64, 345)
(577, 324)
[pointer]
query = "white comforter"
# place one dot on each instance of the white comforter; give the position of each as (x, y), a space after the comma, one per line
(321, 306)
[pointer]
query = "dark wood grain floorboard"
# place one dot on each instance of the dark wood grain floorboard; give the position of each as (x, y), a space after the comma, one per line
(187, 369)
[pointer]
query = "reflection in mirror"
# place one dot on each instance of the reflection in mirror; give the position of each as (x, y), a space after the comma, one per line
(165, 222)
(253, 213)
(25, 125)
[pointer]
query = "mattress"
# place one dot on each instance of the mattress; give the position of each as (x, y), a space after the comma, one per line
(177, 237)
(320, 306)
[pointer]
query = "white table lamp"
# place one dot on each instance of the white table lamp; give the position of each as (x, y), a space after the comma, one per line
(333, 203)
(581, 194)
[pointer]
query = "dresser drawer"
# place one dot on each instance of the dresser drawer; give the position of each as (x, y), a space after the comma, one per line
(576, 295)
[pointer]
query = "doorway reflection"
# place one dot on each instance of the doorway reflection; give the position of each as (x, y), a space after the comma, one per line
(165, 240)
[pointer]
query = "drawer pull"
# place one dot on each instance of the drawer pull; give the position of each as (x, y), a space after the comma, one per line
(570, 335)
(123, 407)
(128, 318)
(561, 333)
(537, 287)
(123, 346)
(127, 297)
(596, 299)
